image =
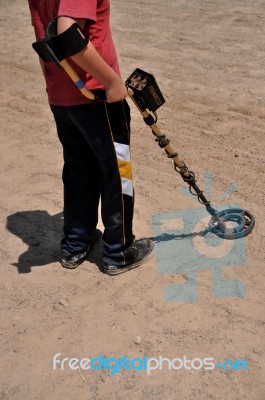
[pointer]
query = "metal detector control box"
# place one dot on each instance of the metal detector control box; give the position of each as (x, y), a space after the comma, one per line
(146, 91)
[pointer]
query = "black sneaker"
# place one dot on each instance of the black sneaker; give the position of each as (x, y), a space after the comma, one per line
(75, 260)
(138, 253)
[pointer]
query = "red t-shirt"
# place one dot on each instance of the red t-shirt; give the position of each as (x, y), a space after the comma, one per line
(60, 88)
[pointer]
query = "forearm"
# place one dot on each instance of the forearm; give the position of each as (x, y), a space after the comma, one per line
(89, 59)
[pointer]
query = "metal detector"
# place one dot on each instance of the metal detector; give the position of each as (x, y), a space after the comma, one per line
(146, 95)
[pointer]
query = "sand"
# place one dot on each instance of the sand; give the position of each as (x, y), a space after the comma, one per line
(208, 58)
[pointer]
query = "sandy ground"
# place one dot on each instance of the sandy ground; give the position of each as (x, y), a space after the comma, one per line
(208, 57)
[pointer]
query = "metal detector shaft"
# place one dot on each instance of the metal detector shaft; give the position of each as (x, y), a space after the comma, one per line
(164, 142)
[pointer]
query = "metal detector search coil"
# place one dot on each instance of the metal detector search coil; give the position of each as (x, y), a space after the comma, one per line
(146, 91)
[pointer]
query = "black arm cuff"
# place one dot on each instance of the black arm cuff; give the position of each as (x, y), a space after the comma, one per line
(58, 47)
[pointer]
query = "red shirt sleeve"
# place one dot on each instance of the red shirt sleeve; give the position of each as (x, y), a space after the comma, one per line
(78, 9)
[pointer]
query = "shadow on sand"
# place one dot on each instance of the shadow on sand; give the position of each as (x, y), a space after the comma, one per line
(42, 233)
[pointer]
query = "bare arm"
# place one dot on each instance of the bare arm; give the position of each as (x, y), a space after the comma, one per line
(90, 61)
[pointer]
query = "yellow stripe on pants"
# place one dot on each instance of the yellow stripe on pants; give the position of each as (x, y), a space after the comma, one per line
(125, 169)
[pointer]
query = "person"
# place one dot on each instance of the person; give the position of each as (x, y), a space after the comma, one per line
(95, 137)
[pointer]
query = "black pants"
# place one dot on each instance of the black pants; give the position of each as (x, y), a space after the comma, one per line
(95, 139)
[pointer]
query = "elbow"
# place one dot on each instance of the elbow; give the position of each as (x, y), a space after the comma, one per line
(65, 22)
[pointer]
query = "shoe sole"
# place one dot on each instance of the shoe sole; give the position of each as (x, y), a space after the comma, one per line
(121, 270)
